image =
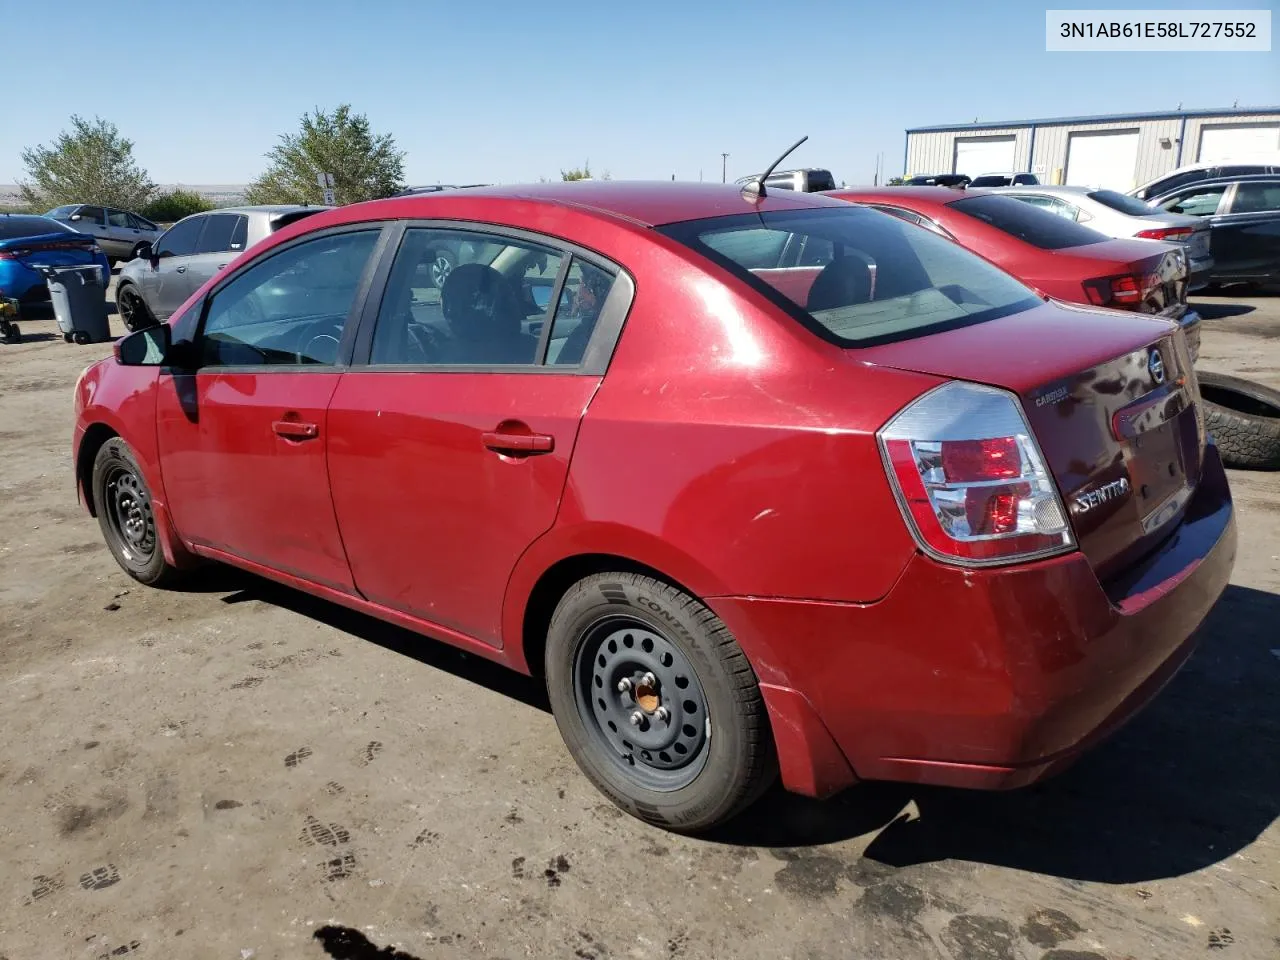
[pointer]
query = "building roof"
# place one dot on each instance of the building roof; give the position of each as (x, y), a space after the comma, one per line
(1103, 118)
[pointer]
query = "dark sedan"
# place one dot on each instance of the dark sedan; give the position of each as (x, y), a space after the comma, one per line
(1244, 225)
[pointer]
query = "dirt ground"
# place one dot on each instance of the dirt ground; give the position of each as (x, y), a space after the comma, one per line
(244, 772)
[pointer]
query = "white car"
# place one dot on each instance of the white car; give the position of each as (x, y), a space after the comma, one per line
(1119, 215)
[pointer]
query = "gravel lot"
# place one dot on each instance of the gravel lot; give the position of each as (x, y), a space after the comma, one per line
(246, 772)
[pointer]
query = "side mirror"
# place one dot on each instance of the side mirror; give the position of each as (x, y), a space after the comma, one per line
(145, 348)
(75, 217)
(145, 251)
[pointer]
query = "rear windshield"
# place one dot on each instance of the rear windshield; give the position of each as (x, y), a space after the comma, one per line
(1123, 202)
(1042, 229)
(856, 276)
(11, 228)
(282, 220)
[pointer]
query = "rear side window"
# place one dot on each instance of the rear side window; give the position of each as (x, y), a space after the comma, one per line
(821, 180)
(11, 228)
(283, 220)
(1256, 198)
(1122, 202)
(1027, 223)
(885, 279)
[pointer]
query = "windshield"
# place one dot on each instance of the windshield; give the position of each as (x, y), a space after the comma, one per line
(857, 276)
(11, 228)
(1123, 202)
(1042, 229)
(63, 211)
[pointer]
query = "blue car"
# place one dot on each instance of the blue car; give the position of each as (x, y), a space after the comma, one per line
(30, 241)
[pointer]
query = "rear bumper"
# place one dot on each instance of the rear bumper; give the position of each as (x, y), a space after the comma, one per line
(1199, 273)
(982, 678)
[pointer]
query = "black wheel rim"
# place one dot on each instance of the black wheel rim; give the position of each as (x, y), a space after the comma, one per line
(127, 308)
(640, 699)
(129, 514)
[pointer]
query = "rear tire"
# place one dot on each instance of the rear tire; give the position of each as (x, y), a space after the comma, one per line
(1243, 418)
(122, 501)
(704, 760)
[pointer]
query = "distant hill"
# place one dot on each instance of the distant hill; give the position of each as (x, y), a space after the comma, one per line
(219, 194)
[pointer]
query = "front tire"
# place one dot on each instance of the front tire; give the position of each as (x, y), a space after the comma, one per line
(122, 501)
(133, 309)
(657, 702)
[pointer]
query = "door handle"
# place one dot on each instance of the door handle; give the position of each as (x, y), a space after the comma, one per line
(221, 265)
(295, 429)
(179, 269)
(501, 441)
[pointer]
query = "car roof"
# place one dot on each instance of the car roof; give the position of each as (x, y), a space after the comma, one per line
(1223, 181)
(648, 203)
(1062, 188)
(270, 208)
(920, 196)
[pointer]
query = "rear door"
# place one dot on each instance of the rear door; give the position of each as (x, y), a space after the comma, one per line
(450, 437)
(1246, 233)
(242, 430)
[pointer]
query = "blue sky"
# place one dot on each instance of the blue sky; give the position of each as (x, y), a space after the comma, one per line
(501, 91)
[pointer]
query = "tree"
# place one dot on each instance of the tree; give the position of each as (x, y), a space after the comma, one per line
(364, 166)
(583, 174)
(897, 181)
(173, 205)
(89, 163)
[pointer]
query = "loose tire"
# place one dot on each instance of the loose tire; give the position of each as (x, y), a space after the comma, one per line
(1243, 418)
(657, 702)
(133, 309)
(123, 503)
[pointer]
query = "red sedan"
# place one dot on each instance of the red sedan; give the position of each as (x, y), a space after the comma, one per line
(1059, 257)
(756, 484)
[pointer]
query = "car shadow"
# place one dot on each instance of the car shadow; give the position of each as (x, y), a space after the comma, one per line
(1190, 782)
(40, 337)
(1211, 310)
(431, 653)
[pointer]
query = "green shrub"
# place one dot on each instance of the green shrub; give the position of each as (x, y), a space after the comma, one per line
(174, 205)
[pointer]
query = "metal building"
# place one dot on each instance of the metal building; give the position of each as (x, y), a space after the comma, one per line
(1120, 151)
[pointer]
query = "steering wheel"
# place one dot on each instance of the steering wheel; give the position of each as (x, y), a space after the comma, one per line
(319, 342)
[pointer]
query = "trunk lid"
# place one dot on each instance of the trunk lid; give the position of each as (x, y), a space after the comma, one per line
(1159, 267)
(52, 249)
(1112, 402)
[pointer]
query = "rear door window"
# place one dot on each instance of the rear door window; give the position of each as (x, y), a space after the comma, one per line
(885, 280)
(1256, 198)
(1028, 224)
(1201, 202)
(216, 237)
(141, 223)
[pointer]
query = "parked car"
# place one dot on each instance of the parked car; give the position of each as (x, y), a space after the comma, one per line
(960, 180)
(1008, 179)
(1191, 173)
(808, 180)
(119, 233)
(1120, 215)
(1064, 260)
(1243, 214)
(27, 242)
(166, 273)
(730, 515)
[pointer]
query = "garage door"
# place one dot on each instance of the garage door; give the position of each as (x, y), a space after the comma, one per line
(1239, 141)
(1102, 159)
(975, 155)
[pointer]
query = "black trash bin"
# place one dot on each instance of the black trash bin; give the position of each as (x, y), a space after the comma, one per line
(79, 296)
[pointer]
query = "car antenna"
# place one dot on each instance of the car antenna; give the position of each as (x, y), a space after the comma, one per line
(754, 190)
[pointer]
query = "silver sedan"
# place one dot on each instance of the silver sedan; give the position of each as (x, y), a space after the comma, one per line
(1119, 215)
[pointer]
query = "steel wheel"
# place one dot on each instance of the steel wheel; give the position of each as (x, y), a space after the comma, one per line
(128, 510)
(638, 693)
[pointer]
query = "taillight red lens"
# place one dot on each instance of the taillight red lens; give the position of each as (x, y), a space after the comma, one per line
(971, 480)
(9, 254)
(1172, 234)
(1128, 290)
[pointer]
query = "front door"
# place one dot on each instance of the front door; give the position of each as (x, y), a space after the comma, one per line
(449, 449)
(122, 235)
(243, 433)
(164, 281)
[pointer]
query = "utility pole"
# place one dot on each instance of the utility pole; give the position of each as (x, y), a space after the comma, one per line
(724, 167)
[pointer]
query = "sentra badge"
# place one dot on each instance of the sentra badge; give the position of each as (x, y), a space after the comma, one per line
(1114, 490)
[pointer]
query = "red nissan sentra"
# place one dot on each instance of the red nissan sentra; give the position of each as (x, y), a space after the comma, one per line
(757, 484)
(1062, 258)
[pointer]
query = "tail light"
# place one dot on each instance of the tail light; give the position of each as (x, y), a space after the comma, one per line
(971, 480)
(11, 254)
(1172, 234)
(1125, 291)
